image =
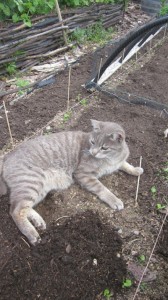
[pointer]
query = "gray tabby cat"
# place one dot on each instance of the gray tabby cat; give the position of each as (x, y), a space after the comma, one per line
(53, 163)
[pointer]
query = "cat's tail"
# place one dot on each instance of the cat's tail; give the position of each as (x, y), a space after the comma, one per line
(3, 187)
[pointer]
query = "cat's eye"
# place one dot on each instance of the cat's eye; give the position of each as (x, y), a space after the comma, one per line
(104, 148)
(92, 142)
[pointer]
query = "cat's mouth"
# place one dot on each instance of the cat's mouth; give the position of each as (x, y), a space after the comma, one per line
(86, 151)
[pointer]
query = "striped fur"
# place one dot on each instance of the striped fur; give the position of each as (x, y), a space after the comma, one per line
(54, 162)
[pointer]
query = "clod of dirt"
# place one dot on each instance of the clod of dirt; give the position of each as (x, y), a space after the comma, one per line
(62, 267)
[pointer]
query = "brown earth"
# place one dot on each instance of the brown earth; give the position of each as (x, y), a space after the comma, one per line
(80, 227)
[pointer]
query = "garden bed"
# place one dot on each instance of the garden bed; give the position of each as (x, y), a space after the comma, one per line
(117, 240)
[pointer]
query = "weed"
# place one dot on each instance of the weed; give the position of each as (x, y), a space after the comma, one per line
(164, 8)
(141, 258)
(107, 294)
(74, 3)
(160, 206)
(11, 68)
(84, 102)
(127, 283)
(143, 286)
(67, 116)
(94, 33)
(163, 172)
(153, 191)
(21, 83)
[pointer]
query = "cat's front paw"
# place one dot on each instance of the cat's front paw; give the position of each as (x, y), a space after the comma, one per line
(35, 240)
(116, 204)
(166, 133)
(138, 171)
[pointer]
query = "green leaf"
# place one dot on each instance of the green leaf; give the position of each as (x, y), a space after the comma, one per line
(50, 4)
(15, 18)
(142, 258)
(127, 283)
(153, 190)
(19, 4)
(160, 206)
(5, 9)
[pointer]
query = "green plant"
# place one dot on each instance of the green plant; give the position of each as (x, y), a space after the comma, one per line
(84, 102)
(153, 191)
(163, 172)
(11, 68)
(141, 258)
(127, 283)
(67, 116)
(74, 3)
(21, 83)
(143, 286)
(160, 206)
(94, 33)
(107, 294)
(21, 10)
(164, 8)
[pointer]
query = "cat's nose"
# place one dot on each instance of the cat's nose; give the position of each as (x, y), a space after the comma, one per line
(94, 152)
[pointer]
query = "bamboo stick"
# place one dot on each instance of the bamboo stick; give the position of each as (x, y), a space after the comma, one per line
(7, 120)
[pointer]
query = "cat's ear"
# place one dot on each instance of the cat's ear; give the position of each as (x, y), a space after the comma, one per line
(119, 136)
(95, 125)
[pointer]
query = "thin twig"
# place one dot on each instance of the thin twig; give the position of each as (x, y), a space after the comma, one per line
(25, 242)
(62, 218)
(7, 120)
(136, 196)
(69, 82)
(137, 289)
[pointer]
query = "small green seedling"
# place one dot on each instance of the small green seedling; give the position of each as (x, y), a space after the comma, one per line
(107, 294)
(160, 206)
(141, 258)
(67, 116)
(127, 283)
(84, 102)
(153, 191)
(143, 286)
(21, 83)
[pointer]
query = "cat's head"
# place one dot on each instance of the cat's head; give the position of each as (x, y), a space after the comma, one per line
(107, 139)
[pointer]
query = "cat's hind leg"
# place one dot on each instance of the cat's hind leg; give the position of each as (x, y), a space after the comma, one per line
(21, 212)
(129, 169)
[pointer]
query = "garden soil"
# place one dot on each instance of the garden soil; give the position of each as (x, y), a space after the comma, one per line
(87, 247)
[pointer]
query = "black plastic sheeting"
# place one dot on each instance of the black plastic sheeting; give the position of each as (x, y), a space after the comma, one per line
(140, 35)
(136, 35)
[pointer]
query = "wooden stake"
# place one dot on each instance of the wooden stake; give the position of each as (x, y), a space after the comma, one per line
(7, 120)
(136, 196)
(60, 19)
(69, 82)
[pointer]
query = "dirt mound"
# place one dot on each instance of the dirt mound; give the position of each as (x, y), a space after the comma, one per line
(76, 260)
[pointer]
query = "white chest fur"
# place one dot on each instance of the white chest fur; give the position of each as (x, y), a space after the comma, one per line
(108, 168)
